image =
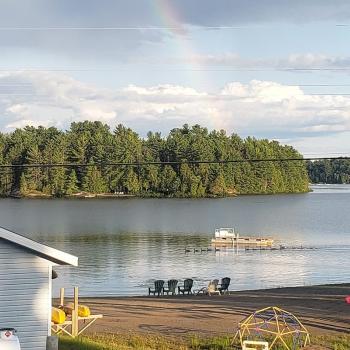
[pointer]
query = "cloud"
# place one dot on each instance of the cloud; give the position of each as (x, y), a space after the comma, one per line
(293, 61)
(111, 45)
(154, 12)
(163, 90)
(261, 108)
(228, 12)
(335, 145)
(20, 29)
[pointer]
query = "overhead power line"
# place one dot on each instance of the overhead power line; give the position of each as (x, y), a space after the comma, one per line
(124, 28)
(225, 70)
(194, 162)
(30, 85)
(47, 97)
(181, 26)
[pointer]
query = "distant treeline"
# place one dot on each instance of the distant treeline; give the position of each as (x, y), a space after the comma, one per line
(335, 171)
(94, 142)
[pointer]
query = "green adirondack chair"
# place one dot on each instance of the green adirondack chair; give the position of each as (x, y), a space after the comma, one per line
(223, 286)
(187, 287)
(172, 284)
(158, 288)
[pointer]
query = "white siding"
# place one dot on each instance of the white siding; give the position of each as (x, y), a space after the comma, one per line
(24, 295)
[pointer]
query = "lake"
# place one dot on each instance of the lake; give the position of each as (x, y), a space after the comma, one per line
(123, 245)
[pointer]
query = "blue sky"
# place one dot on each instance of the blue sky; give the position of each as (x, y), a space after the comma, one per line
(67, 60)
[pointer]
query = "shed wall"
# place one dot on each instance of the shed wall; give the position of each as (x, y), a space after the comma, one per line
(25, 295)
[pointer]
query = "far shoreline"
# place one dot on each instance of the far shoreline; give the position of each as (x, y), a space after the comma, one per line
(89, 196)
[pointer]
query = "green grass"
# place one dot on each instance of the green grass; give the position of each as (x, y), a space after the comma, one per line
(153, 342)
(340, 342)
(121, 342)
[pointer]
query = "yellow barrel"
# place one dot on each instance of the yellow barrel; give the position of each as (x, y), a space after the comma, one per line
(58, 316)
(83, 310)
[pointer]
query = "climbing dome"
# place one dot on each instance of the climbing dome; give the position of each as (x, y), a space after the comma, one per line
(280, 328)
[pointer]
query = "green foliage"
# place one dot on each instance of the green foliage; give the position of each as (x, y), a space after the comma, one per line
(23, 185)
(218, 186)
(94, 143)
(329, 171)
(93, 181)
(169, 183)
(71, 186)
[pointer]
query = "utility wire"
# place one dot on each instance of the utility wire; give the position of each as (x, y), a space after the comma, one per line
(23, 84)
(233, 69)
(181, 26)
(194, 162)
(234, 98)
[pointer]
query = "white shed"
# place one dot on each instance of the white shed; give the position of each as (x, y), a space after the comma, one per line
(26, 287)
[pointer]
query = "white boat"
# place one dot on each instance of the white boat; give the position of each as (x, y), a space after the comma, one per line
(227, 236)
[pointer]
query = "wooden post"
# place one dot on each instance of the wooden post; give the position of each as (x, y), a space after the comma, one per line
(75, 321)
(52, 343)
(62, 297)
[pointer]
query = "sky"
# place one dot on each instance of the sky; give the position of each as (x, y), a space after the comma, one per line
(272, 69)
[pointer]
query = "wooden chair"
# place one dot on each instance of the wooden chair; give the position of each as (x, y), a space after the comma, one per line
(211, 289)
(223, 286)
(188, 283)
(172, 284)
(158, 288)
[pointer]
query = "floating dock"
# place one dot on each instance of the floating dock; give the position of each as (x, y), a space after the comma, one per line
(228, 237)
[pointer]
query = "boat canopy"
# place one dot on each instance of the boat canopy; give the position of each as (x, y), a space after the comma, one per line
(225, 233)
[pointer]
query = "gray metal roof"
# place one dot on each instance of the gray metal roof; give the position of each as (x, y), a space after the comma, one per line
(48, 253)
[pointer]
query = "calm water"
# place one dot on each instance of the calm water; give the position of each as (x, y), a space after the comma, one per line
(124, 244)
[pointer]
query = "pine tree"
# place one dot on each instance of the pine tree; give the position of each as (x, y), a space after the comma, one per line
(94, 142)
(218, 187)
(72, 183)
(169, 183)
(93, 181)
(23, 185)
(132, 183)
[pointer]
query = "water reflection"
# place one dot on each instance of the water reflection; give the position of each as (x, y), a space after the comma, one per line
(126, 264)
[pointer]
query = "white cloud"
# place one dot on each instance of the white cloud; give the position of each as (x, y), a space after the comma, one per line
(25, 122)
(312, 60)
(293, 61)
(263, 91)
(323, 145)
(163, 90)
(262, 108)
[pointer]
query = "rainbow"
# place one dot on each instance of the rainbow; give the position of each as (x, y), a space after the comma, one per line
(171, 19)
(169, 16)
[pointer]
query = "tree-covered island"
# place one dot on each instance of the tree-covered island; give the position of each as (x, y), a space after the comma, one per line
(95, 143)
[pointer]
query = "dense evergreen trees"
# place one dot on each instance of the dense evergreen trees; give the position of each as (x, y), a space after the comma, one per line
(335, 171)
(94, 143)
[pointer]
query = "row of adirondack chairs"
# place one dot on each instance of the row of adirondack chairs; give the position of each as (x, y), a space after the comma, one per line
(214, 287)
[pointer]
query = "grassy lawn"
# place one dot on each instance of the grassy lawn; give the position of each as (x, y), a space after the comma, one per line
(152, 342)
(120, 342)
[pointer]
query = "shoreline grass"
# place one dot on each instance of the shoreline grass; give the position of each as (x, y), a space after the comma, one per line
(157, 342)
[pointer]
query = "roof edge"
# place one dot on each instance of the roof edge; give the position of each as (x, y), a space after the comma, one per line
(46, 252)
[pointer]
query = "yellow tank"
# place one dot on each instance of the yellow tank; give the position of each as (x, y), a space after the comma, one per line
(58, 316)
(83, 310)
